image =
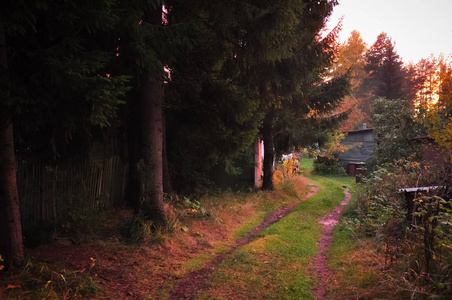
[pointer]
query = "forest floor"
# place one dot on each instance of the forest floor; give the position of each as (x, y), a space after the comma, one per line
(248, 247)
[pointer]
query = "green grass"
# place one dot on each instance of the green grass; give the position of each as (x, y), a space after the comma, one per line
(306, 164)
(353, 261)
(268, 202)
(275, 266)
(197, 262)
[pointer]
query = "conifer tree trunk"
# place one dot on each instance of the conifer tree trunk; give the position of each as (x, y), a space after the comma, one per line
(167, 187)
(269, 153)
(151, 170)
(11, 244)
(133, 151)
(151, 202)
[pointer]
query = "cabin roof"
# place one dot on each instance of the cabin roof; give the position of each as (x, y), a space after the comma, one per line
(359, 130)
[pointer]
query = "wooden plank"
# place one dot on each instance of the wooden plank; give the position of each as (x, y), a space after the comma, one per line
(46, 193)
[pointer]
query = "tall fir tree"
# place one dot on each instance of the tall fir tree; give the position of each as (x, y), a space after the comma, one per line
(151, 101)
(386, 74)
(310, 119)
(142, 44)
(55, 89)
(294, 77)
(212, 114)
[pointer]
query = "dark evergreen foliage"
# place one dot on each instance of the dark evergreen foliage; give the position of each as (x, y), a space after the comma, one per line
(295, 86)
(328, 166)
(54, 90)
(386, 73)
(59, 86)
(297, 126)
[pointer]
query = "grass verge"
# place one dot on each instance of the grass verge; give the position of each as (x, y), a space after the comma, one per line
(358, 269)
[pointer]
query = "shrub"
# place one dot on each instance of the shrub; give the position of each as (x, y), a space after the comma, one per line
(289, 166)
(328, 166)
(417, 245)
(137, 229)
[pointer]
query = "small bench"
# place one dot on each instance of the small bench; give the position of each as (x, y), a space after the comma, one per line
(410, 195)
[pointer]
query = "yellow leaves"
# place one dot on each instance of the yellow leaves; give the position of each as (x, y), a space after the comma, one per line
(439, 129)
(278, 177)
(334, 144)
(48, 283)
(289, 167)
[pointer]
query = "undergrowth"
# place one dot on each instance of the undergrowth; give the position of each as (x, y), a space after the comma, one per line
(391, 245)
(38, 280)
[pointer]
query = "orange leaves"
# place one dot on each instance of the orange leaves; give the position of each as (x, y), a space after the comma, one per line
(92, 263)
(10, 286)
(2, 267)
(415, 165)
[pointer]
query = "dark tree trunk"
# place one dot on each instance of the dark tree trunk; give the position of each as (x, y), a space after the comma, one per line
(133, 151)
(151, 163)
(11, 243)
(269, 153)
(151, 169)
(167, 187)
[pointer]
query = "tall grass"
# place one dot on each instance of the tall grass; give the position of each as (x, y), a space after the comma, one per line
(37, 280)
(376, 253)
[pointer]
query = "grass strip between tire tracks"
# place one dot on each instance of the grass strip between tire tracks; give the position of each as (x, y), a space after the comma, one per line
(276, 264)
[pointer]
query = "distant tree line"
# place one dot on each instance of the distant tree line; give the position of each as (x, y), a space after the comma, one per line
(405, 199)
(379, 72)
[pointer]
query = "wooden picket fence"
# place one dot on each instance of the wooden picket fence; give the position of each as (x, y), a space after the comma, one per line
(47, 194)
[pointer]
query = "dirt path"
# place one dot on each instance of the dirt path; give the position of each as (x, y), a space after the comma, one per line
(320, 263)
(194, 282)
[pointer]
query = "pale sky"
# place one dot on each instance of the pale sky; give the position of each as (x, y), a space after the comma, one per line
(418, 27)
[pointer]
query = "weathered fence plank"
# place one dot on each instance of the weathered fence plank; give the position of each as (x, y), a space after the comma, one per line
(48, 194)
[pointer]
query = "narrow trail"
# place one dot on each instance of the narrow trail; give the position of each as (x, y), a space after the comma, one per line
(194, 282)
(320, 262)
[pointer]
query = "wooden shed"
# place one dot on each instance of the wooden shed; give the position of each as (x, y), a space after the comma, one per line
(355, 158)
